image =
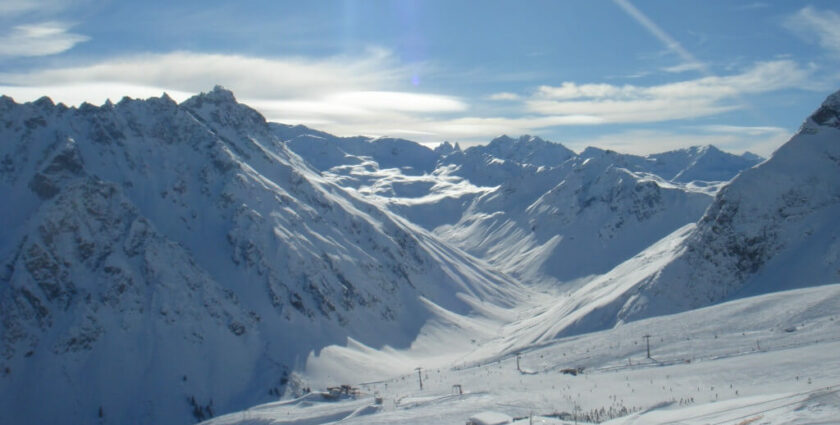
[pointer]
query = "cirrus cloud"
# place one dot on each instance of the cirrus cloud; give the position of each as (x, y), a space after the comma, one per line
(504, 96)
(41, 39)
(252, 77)
(822, 24)
(671, 101)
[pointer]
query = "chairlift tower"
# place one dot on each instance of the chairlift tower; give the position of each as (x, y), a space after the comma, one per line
(420, 377)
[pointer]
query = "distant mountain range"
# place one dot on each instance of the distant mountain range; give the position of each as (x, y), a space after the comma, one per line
(533, 208)
(164, 262)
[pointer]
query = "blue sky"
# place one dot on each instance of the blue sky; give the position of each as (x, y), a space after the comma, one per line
(637, 76)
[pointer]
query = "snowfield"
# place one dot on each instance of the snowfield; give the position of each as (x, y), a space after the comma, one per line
(769, 359)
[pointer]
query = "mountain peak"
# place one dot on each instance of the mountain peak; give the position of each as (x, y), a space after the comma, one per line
(218, 95)
(592, 151)
(833, 101)
(752, 157)
(829, 112)
(532, 139)
(504, 138)
(6, 102)
(710, 149)
(525, 138)
(166, 97)
(220, 106)
(446, 148)
(44, 102)
(526, 149)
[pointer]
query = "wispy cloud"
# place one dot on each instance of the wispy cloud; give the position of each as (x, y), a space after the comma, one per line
(42, 39)
(743, 130)
(670, 43)
(504, 96)
(822, 24)
(349, 119)
(16, 7)
(684, 67)
(399, 101)
(364, 112)
(680, 100)
(252, 77)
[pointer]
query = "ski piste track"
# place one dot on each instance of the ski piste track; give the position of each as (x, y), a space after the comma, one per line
(823, 392)
(653, 361)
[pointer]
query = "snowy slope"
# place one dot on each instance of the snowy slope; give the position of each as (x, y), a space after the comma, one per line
(397, 174)
(773, 227)
(162, 262)
(325, 151)
(768, 358)
(770, 229)
(585, 214)
(593, 215)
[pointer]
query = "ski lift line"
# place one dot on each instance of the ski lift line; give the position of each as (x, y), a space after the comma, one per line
(536, 346)
(671, 362)
(506, 355)
(659, 363)
(832, 389)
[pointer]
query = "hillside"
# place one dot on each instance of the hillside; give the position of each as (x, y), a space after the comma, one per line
(164, 262)
(773, 227)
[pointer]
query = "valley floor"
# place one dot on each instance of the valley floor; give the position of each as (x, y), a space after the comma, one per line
(771, 359)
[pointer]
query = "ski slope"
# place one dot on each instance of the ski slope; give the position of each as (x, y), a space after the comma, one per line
(768, 359)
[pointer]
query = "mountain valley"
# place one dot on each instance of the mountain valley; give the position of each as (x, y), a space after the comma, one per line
(168, 263)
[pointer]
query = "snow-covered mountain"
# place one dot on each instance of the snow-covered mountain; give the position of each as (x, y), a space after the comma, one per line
(773, 227)
(730, 319)
(533, 208)
(165, 262)
(698, 163)
(579, 218)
